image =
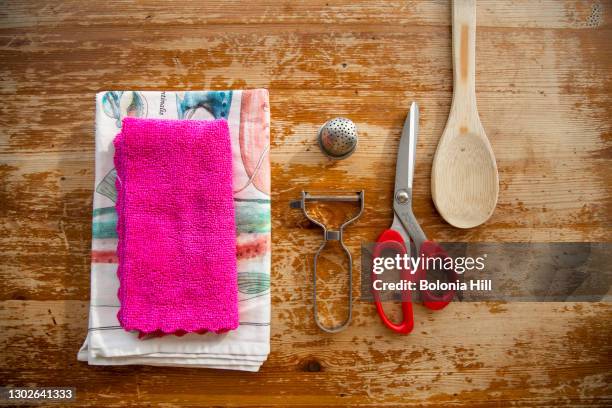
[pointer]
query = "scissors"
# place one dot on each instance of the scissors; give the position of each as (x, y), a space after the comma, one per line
(404, 229)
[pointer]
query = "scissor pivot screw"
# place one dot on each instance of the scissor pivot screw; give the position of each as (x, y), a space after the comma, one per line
(402, 196)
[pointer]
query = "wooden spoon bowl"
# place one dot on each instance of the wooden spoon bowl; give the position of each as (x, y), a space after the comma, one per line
(464, 179)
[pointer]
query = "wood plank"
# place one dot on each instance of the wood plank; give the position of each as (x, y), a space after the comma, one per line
(574, 14)
(540, 353)
(82, 60)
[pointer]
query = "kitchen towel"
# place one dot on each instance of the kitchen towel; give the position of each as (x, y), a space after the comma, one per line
(177, 238)
(245, 348)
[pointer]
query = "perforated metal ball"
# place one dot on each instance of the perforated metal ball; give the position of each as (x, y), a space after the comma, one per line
(338, 138)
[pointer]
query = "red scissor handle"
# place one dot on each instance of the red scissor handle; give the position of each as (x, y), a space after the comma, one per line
(430, 249)
(391, 240)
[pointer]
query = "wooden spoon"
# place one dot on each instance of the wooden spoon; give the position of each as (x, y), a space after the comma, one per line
(464, 180)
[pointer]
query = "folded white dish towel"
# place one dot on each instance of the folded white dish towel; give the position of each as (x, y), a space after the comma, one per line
(246, 348)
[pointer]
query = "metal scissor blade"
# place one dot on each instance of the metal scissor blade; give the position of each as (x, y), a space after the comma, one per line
(398, 226)
(406, 153)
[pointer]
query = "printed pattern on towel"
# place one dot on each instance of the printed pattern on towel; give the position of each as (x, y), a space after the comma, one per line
(118, 105)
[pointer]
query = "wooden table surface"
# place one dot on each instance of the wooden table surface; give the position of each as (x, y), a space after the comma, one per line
(544, 88)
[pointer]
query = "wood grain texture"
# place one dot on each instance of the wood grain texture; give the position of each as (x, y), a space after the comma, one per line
(544, 92)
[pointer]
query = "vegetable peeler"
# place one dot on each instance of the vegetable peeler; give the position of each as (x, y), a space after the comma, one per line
(331, 235)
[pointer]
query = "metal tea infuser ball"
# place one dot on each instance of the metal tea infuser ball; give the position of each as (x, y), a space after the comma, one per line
(338, 138)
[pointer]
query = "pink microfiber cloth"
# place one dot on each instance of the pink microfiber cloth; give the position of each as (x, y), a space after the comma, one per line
(177, 236)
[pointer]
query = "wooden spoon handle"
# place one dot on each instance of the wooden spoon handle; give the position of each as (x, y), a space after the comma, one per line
(464, 52)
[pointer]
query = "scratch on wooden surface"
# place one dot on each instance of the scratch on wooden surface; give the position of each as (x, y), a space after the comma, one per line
(63, 234)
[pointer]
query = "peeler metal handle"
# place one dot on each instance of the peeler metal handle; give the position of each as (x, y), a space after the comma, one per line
(331, 235)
